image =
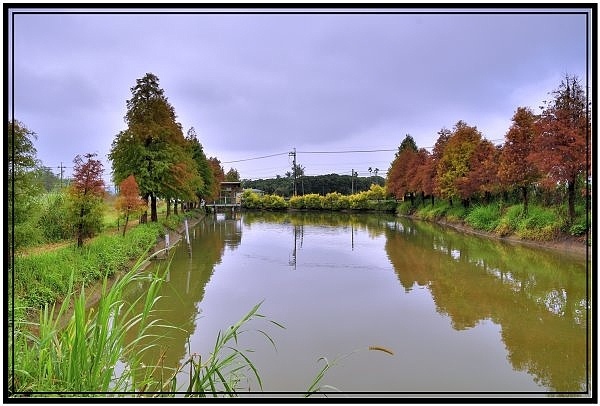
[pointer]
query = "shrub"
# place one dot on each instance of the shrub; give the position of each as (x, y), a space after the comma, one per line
(27, 234)
(579, 228)
(313, 201)
(344, 202)
(359, 201)
(484, 217)
(404, 208)
(54, 218)
(250, 200)
(297, 202)
(331, 201)
(540, 224)
(456, 212)
(273, 202)
(376, 192)
(432, 213)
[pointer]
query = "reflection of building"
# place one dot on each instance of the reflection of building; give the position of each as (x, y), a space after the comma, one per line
(230, 193)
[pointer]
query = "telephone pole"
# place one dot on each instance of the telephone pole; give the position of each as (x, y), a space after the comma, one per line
(293, 153)
(61, 174)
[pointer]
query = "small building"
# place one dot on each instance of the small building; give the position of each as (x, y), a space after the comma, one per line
(229, 192)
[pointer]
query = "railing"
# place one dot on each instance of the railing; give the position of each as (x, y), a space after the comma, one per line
(225, 201)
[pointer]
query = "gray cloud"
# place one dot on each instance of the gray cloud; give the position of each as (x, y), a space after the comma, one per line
(254, 84)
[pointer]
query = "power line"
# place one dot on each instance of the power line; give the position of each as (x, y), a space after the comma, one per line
(259, 157)
(357, 151)
(347, 152)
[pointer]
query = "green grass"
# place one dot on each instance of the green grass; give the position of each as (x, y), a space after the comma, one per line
(42, 278)
(484, 217)
(433, 213)
(539, 224)
(81, 357)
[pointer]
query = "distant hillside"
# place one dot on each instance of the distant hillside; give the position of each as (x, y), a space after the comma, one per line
(320, 184)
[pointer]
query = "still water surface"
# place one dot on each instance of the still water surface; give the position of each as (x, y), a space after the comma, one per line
(460, 313)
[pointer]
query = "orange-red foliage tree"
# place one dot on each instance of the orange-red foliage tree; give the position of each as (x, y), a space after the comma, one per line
(218, 176)
(421, 181)
(481, 179)
(515, 169)
(129, 200)
(402, 170)
(561, 143)
(86, 193)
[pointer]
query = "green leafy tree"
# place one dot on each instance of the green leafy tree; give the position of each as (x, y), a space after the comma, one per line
(86, 194)
(22, 186)
(232, 175)
(454, 164)
(152, 145)
(204, 169)
(47, 180)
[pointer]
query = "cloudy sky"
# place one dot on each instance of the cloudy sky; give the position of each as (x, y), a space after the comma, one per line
(261, 84)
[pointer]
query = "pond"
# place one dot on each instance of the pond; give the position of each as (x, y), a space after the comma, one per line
(454, 313)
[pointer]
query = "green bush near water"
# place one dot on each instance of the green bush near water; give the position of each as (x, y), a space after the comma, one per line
(484, 217)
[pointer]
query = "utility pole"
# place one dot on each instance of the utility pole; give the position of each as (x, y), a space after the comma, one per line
(352, 180)
(61, 174)
(294, 168)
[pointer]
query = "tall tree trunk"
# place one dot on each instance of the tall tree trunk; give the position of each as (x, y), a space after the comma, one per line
(153, 213)
(126, 221)
(144, 216)
(525, 198)
(571, 197)
(169, 207)
(175, 208)
(80, 229)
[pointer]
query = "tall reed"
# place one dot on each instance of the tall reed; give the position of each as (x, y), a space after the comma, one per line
(81, 357)
(224, 370)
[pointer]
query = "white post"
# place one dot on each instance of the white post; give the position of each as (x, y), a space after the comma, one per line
(167, 241)
(187, 233)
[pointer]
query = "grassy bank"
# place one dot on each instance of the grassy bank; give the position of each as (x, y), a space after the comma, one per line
(41, 274)
(537, 223)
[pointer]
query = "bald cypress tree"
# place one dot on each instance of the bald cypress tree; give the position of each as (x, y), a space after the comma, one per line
(153, 147)
(563, 132)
